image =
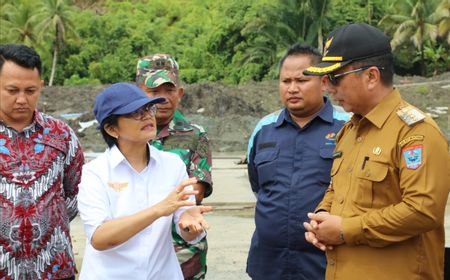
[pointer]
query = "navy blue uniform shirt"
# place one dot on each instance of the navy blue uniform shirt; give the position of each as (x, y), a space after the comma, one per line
(289, 171)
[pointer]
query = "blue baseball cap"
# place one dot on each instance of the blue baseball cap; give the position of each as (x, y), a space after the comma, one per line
(121, 99)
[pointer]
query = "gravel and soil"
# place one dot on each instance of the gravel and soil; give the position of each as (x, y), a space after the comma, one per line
(229, 113)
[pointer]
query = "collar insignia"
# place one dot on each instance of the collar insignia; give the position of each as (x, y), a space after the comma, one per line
(118, 186)
(410, 115)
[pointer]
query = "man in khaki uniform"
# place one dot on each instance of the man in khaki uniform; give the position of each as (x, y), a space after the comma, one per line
(382, 216)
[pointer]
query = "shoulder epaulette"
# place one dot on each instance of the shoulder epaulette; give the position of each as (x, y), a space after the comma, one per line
(410, 115)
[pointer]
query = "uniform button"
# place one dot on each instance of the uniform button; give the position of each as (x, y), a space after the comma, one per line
(367, 173)
(350, 169)
(331, 262)
(359, 139)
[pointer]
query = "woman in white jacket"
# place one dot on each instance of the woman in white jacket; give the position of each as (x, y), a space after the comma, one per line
(130, 194)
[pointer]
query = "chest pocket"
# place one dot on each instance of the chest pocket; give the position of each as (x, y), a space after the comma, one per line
(368, 181)
(326, 153)
(266, 166)
(323, 166)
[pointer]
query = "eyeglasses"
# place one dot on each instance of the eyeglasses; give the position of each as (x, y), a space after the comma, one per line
(333, 78)
(140, 113)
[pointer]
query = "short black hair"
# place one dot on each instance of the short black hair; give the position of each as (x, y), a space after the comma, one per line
(21, 55)
(110, 120)
(385, 64)
(298, 49)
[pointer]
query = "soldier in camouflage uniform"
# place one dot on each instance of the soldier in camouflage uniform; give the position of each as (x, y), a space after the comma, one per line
(157, 75)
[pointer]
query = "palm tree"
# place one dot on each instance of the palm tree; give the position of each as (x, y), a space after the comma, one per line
(442, 15)
(294, 21)
(318, 10)
(280, 25)
(417, 24)
(272, 30)
(57, 24)
(18, 23)
(88, 4)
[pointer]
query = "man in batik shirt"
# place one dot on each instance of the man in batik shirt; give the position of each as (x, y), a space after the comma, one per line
(158, 76)
(40, 168)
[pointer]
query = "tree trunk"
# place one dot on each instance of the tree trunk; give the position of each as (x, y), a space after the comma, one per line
(320, 28)
(320, 39)
(55, 58)
(423, 68)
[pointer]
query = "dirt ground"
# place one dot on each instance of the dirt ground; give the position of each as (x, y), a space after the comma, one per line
(230, 113)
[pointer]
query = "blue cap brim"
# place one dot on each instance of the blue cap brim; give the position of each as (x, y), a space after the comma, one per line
(133, 106)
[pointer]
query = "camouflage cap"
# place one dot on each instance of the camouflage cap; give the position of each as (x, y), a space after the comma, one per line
(157, 69)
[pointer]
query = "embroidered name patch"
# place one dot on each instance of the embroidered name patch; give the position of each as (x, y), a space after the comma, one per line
(266, 145)
(413, 156)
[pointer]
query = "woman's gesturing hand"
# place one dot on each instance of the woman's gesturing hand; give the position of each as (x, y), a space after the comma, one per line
(193, 223)
(192, 219)
(177, 198)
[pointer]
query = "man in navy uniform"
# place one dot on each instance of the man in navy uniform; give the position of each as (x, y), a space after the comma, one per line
(289, 160)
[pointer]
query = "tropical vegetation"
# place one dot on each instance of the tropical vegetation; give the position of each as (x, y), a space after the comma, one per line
(233, 41)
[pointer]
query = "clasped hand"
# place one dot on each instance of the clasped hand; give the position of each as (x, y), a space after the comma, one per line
(323, 230)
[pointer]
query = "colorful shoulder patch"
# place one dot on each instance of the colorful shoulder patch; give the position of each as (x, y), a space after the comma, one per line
(410, 115)
(413, 156)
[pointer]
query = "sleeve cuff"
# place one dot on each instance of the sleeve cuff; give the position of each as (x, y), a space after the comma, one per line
(193, 241)
(353, 231)
(208, 188)
(321, 208)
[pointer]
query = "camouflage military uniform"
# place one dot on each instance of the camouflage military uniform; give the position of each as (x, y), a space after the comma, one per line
(191, 143)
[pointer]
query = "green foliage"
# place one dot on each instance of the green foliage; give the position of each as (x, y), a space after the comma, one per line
(403, 57)
(18, 23)
(75, 80)
(418, 23)
(437, 58)
(346, 11)
(424, 89)
(55, 25)
(271, 28)
(234, 41)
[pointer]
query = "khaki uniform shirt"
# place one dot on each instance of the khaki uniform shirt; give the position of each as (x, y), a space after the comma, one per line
(390, 183)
